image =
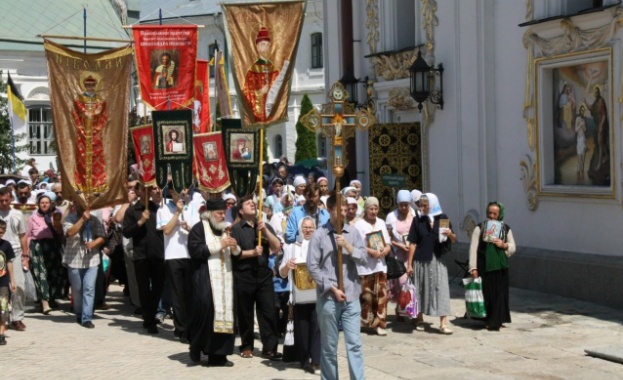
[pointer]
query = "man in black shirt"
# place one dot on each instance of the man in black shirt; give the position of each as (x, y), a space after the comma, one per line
(253, 280)
(139, 224)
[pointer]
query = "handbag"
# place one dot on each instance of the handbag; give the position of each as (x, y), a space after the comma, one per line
(407, 300)
(474, 299)
(395, 268)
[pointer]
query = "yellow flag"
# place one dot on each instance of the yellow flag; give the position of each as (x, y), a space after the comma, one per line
(16, 105)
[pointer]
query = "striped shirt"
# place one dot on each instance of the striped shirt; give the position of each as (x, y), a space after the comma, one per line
(322, 261)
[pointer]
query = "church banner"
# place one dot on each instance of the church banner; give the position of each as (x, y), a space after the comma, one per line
(264, 38)
(90, 97)
(212, 174)
(221, 88)
(173, 146)
(242, 147)
(166, 62)
(201, 110)
(143, 139)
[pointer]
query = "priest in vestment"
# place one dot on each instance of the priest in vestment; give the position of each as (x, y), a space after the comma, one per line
(211, 325)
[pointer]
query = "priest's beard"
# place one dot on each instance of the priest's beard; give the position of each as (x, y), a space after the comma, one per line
(214, 223)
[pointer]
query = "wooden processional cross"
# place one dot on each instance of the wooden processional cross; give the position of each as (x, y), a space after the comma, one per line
(337, 122)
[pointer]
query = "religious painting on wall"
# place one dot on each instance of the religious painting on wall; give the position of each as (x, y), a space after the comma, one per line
(574, 135)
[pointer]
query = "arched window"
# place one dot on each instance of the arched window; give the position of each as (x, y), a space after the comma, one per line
(40, 131)
(316, 51)
(278, 146)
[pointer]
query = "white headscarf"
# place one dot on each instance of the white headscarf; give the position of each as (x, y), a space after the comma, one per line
(434, 208)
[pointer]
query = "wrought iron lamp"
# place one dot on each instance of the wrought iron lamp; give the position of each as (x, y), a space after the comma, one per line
(349, 82)
(422, 76)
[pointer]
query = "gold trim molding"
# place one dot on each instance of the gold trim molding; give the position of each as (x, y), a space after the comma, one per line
(393, 65)
(400, 99)
(529, 179)
(429, 22)
(372, 24)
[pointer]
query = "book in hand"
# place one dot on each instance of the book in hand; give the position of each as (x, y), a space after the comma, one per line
(444, 223)
(493, 230)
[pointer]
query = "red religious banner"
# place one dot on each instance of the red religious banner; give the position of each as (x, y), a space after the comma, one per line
(201, 110)
(210, 162)
(143, 138)
(166, 60)
(90, 96)
(264, 38)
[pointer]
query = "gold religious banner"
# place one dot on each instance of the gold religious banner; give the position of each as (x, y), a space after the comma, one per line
(337, 122)
(90, 96)
(264, 38)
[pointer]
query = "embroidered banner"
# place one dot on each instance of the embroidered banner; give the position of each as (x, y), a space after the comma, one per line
(242, 152)
(143, 138)
(89, 95)
(223, 100)
(264, 38)
(166, 61)
(201, 110)
(173, 147)
(212, 174)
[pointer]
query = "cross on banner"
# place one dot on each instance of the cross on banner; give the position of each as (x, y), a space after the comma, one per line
(337, 122)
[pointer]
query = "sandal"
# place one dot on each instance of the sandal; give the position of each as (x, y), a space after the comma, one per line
(47, 311)
(444, 330)
(247, 354)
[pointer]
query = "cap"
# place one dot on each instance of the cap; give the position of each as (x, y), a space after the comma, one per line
(213, 204)
(262, 35)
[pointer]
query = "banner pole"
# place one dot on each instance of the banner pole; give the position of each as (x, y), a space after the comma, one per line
(260, 183)
(84, 11)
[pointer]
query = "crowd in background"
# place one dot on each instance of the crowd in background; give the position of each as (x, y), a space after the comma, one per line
(157, 246)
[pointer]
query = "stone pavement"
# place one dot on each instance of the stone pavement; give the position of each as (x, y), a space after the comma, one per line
(547, 339)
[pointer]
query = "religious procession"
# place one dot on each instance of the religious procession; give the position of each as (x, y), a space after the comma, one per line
(177, 188)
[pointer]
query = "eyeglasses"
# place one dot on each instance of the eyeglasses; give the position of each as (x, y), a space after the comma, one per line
(307, 228)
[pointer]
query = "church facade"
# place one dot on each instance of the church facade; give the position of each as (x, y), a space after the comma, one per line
(531, 116)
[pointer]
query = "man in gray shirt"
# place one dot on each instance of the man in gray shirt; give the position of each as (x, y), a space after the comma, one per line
(333, 304)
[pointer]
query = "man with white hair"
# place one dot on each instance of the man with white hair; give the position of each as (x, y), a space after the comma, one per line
(211, 322)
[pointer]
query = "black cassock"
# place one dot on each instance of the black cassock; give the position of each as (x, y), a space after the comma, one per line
(201, 326)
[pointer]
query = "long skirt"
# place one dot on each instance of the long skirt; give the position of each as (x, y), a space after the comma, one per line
(433, 289)
(49, 274)
(373, 300)
(495, 290)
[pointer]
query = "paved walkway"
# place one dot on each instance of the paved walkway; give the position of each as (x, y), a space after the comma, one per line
(546, 340)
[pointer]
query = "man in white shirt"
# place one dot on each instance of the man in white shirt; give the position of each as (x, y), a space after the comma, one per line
(174, 221)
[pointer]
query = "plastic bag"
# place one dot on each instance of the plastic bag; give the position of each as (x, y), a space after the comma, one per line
(407, 301)
(30, 292)
(474, 299)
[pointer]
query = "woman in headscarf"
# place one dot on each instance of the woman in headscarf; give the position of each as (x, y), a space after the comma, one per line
(426, 240)
(306, 328)
(323, 184)
(492, 244)
(373, 296)
(415, 201)
(398, 223)
(280, 218)
(358, 197)
(44, 234)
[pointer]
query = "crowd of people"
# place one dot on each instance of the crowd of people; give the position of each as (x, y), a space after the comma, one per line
(221, 267)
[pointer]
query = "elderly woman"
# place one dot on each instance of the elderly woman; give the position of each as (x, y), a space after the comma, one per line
(306, 328)
(488, 257)
(358, 197)
(398, 223)
(279, 219)
(426, 241)
(374, 274)
(44, 234)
